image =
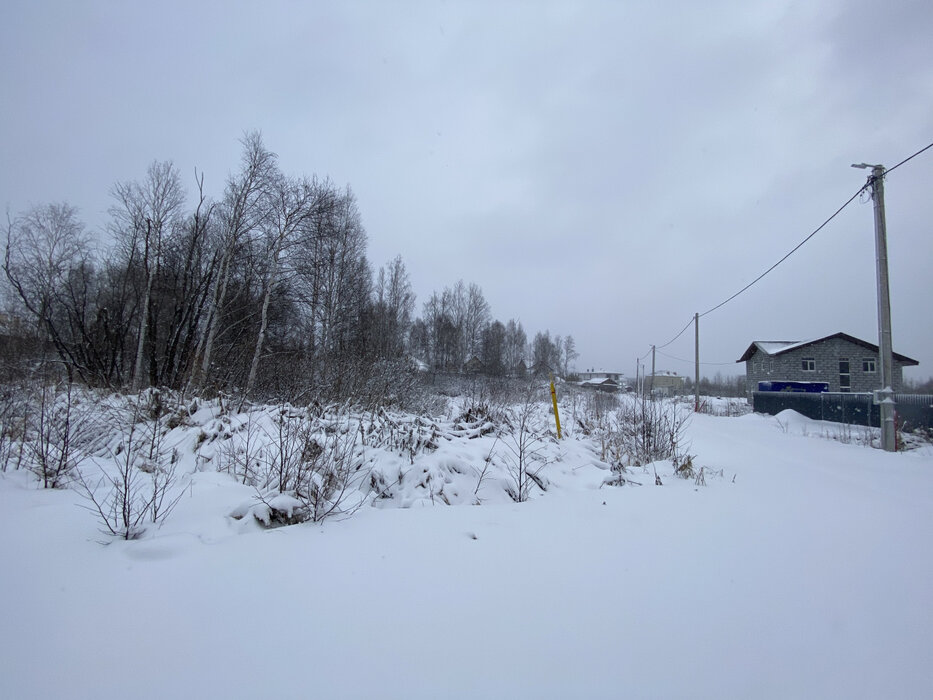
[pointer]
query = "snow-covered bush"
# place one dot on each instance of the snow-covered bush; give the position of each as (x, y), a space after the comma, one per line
(683, 467)
(729, 407)
(642, 430)
(12, 420)
(240, 455)
(524, 440)
(305, 464)
(141, 484)
(58, 426)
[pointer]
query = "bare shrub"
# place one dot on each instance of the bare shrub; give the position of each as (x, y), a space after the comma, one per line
(241, 455)
(282, 454)
(12, 427)
(846, 433)
(403, 433)
(683, 467)
(524, 442)
(142, 485)
(329, 473)
(642, 430)
(57, 425)
(310, 469)
(727, 407)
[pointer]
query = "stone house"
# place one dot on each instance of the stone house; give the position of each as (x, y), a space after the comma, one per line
(664, 382)
(844, 362)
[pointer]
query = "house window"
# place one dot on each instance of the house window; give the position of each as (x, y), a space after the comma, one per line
(868, 365)
(845, 378)
(809, 364)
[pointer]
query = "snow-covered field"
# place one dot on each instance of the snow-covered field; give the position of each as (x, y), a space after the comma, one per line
(803, 568)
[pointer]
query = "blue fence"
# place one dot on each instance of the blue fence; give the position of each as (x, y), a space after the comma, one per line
(913, 410)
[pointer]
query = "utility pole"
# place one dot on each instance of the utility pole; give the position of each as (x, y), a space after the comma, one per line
(884, 397)
(696, 381)
(651, 383)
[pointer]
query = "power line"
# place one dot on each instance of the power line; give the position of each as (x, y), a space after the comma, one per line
(712, 364)
(793, 250)
(816, 231)
(797, 247)
(925, 148)
(676, 336)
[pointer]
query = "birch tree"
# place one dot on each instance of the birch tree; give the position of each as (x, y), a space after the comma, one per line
(241, 213)
(291, 203)
(145, 213)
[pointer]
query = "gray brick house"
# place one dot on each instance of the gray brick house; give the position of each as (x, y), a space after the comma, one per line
(842, 361)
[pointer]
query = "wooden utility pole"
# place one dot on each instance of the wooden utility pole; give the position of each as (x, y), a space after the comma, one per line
(651, 383)
(885, 396)
(696, 380)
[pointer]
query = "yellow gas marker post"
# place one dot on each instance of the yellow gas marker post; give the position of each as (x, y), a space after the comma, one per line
(554, 401)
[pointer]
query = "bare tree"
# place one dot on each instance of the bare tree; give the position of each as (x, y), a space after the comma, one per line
(475, 316)
(43, 247)
(145, 213)
(516, 343)
(189, 267)
(291, 203)
(241, 212)
(570, 354)
(394, 302)
(334, 282)
(443, 332)
(545, 353)
(494, 348)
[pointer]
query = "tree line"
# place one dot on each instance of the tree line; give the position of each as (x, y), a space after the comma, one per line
(266, 292)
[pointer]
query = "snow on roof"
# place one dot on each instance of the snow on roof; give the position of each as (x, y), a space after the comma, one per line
(772, 346)
(598, 381)
(776, 347)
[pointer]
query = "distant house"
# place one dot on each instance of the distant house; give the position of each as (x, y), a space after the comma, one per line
(473, 366)
(842, 361)
(601, 384)
(617, 377)
(521, 369)
(542, 369)
(664, 383)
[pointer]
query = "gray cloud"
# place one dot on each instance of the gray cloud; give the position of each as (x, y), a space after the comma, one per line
(600, 169)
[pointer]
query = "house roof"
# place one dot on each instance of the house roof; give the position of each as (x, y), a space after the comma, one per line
(778, 347)
(599, 382)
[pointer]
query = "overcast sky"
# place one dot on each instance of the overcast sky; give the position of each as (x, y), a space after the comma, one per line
(603, 169)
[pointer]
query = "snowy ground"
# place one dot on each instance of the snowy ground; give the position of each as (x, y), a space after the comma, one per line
(803, 571)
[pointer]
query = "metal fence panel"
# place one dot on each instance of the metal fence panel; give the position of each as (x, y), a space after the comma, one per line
(913, 410)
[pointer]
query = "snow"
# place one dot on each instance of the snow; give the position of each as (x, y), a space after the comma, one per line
(801, 569)
(771, 347)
